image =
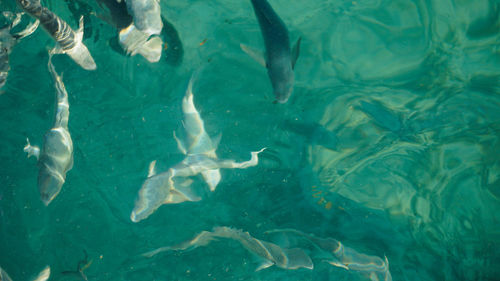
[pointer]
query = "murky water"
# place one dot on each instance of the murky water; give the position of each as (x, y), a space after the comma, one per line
(389, 144)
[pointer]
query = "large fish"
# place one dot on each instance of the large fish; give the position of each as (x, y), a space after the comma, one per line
(8, 40)
(69, 41)
(42, 276)
(279, 59)
(173, 186)
(56, 157)
(269, 253)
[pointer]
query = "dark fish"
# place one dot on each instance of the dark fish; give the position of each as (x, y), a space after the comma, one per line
(279, 58)
(381, 115)
(314, 133)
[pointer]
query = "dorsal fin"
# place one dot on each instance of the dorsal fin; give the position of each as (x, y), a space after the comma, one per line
(152, 169)
(295, 52)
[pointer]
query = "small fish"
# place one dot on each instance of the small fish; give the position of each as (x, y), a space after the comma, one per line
(9, 40)
(172, 186)
(56, 157)
(279, 59)
(69, 41)
(269, 253)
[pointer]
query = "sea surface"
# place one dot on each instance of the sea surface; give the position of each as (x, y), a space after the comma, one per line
(390, 142)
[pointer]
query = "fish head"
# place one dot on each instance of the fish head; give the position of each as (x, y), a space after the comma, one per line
(282, 79)
(49, 185)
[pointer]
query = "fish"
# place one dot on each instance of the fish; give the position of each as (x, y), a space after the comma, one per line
(269, 253)
(68, 41)
(42, 276)
(335, 253)
(279, 58)
(8, 40)
(138, 36)
(382, 116)
(56, 157)
(314, 133)
(173, 185)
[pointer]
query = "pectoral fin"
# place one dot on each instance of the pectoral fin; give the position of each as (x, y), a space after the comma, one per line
(180, 145)
(152, 169)
(216, 141)
(295, 52)
(44, 275)
(151, 50)
(265, 264)
(255, 54)
(32, 150)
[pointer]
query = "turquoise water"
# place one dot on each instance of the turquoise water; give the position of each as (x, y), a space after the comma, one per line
(390, 142)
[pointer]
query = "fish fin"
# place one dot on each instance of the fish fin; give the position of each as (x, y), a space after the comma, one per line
(44, 275)
(265, 264)
(16, 20)
(79, 32)
(180, 145)
(295, 52)
(152, 169)
(151, 50)
(337, 264)
(31, 150)
(297, 258)
(255, 54)
(216, 141)
(212, 178)
(28, 30)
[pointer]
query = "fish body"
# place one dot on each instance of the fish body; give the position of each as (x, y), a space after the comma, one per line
(279, 58)
(174, 186)
(69, 41)
(56, 156)
(271, 253)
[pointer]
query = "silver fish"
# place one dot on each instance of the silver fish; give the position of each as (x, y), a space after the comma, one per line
(269, 253)
(69, 41)
(56, 157)
(335, 253)
(172, 186)
(8, 40)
